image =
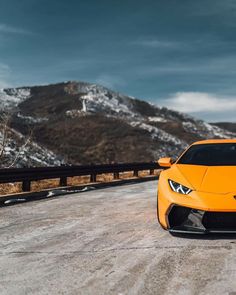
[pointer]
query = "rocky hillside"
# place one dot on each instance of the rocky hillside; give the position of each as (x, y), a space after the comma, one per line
(21, 151)
(227, 126)
(83, 123)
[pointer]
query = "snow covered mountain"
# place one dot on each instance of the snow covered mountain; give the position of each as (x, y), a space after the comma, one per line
(88, 123)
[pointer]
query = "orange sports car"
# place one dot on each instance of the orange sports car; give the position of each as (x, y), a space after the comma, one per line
(197, 193)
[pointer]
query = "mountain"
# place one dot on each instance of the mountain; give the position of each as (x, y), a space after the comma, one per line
(82, 123)
(227, 126)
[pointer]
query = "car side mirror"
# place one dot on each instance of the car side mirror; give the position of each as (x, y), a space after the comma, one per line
(165, 162)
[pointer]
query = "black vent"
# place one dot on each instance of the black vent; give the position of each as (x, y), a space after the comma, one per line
(219, 220)
(178, 215)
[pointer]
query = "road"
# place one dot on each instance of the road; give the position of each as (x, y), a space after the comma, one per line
(108, 242)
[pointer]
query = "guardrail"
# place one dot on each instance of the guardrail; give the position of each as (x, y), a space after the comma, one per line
(27, 175)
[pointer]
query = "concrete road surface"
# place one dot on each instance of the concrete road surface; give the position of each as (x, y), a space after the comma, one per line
(107, 242)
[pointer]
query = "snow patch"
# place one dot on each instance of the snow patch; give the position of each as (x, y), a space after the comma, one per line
(100, 99)
(157, 119)
(159, 134)
(14, 201)
(206, 130)
(11, 98)
(32, 120)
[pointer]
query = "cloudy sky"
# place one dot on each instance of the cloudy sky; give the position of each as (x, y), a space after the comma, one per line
(176, 53)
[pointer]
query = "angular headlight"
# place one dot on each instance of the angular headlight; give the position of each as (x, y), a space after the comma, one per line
(179, 188)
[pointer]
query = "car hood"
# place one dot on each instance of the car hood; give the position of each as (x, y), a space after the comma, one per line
(212, 179)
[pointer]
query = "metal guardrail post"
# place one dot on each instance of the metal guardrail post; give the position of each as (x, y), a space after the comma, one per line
(116, 175)
(151, 171)
(135, 173)
(26, 186)
(63, 181)
(93, 178)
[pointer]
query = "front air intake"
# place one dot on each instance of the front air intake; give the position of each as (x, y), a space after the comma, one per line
(219, 220)
(178, 215)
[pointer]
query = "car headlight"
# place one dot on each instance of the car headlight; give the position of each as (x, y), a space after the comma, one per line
(179, 188)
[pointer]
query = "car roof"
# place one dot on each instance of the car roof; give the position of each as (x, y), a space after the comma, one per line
(212, 141)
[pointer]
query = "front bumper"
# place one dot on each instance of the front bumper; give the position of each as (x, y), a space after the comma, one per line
(182, 219)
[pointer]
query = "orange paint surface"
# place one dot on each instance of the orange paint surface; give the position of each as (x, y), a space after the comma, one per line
(213, 187)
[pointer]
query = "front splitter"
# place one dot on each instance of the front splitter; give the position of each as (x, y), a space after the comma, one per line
(184, 230)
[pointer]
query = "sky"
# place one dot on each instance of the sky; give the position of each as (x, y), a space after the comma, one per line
(175, 53)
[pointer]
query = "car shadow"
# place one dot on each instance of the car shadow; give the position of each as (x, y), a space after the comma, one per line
(210, 236)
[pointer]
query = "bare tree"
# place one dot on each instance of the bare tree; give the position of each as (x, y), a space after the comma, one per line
(7, 135)
(3, 131)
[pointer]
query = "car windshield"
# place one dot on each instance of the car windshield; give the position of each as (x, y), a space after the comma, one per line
(217, 154)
